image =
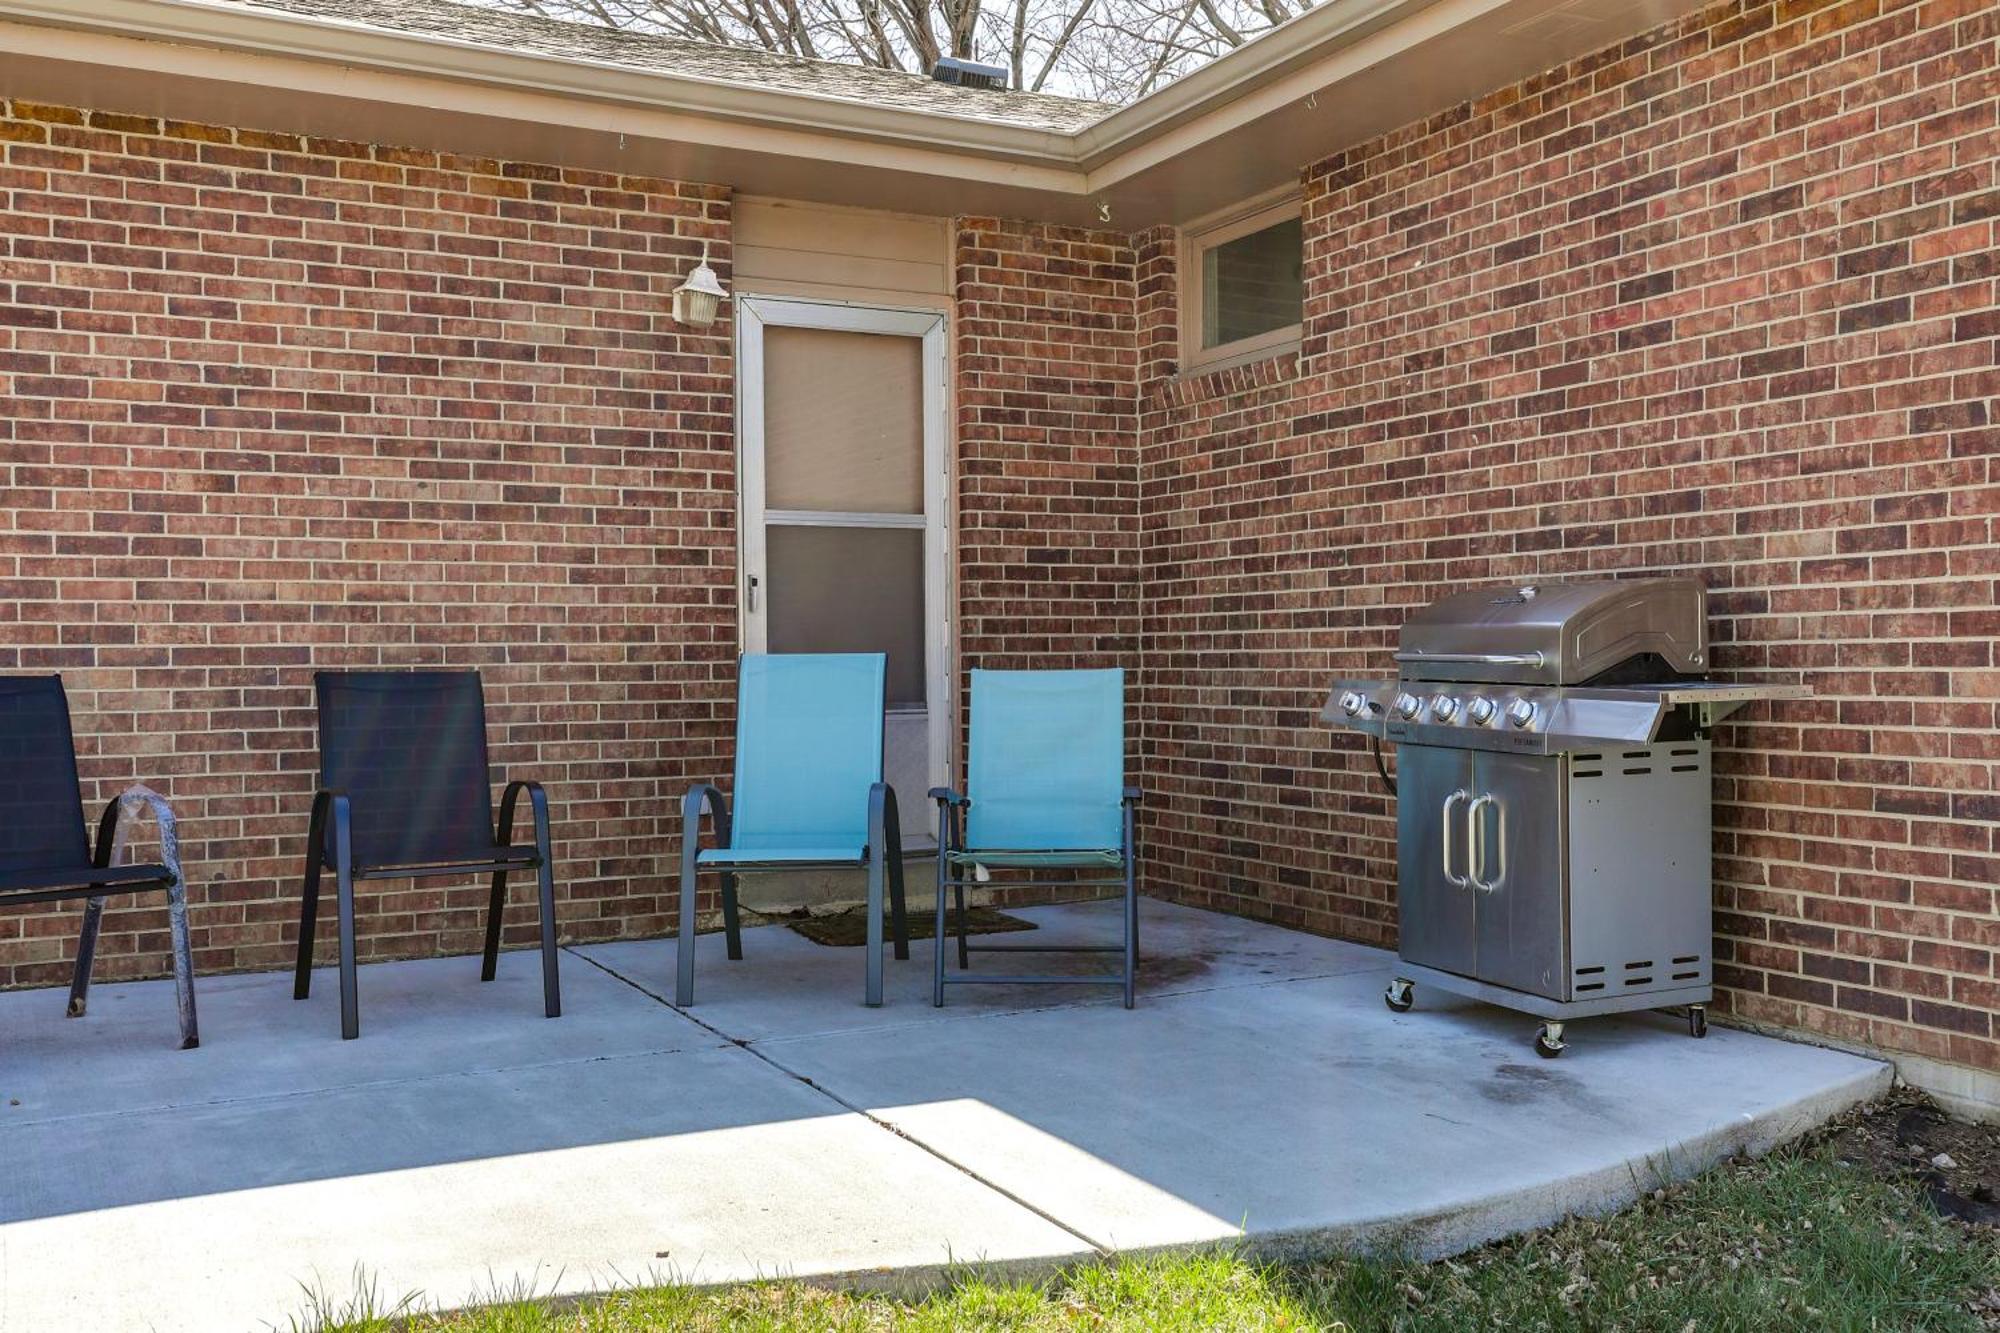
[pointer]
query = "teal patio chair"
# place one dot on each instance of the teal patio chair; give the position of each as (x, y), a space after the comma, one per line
(1047, 779)
(809, 795)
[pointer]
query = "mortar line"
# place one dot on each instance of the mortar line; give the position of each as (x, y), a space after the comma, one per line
(1098, 1247)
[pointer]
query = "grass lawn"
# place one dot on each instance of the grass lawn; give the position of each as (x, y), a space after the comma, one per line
(1799, 1240)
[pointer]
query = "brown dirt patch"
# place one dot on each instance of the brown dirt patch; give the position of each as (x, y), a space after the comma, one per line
(1907, 1137)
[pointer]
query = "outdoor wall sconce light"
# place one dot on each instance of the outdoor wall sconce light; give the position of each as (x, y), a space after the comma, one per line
(700, 294)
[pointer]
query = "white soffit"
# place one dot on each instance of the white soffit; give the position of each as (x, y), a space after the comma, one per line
(1341, 73)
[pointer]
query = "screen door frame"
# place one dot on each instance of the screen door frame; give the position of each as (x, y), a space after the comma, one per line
(754, 315)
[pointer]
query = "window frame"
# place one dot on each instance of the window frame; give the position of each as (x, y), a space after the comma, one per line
(1204, 234)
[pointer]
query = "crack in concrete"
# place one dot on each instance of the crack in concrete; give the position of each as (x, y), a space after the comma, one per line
(1096, 1245)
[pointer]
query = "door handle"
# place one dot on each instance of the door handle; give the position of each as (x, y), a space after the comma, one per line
(1476, 863)
(1456, 881)
(750, 593)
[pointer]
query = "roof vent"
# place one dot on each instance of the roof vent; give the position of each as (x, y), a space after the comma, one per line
(969, 73)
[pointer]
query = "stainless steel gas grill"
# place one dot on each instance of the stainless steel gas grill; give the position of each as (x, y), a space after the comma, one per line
(1552, 826)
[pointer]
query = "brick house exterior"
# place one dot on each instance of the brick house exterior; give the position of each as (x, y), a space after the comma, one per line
(1719, 300)
(276, 405)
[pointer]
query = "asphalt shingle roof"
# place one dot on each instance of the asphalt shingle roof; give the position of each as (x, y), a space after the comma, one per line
(650, 52)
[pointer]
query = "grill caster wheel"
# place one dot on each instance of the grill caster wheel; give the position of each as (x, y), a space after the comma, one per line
(1697, 1020)
(1549, 1041)
(1398, 996)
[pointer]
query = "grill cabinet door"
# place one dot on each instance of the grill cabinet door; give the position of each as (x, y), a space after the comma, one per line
(1515, 832)
(1435, 921)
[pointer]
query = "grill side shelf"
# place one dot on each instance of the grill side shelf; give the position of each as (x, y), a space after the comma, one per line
(1713, 700)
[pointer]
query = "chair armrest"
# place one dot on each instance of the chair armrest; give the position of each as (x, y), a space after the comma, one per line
(882, 818)
(951, 806)
(331, 812)
(700, 796)
(538, 802)
(111, 829)
(1132, 796)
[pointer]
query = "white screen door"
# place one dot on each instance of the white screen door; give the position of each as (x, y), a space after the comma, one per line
(842, 429)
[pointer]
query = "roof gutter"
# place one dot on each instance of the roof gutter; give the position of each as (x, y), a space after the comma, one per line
(1341, 70)
(231, 28)
(1310, 37)
(1301, 41)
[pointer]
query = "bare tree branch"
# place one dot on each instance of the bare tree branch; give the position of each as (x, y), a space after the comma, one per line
(1110, 50)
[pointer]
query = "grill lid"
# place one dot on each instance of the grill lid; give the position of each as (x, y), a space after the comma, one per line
(1558, 633)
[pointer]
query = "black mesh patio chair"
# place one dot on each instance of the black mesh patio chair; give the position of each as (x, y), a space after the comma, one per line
(404, 794)
(45, 855)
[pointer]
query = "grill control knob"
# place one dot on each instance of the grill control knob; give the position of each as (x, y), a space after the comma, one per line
(1351, 702)
(1480, 711)
(1444, 708)
(1407, 705)
(1520, 712)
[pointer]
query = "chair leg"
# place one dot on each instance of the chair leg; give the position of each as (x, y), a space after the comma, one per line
(350, 1002)
(343, 879)
(732, 922)
(872, 989)
(964, 927)
(496, 906)
(898, 913)
(551, 981)
(1131, 935)
(945, 844)
(546, 883)
(86, 954)
(183, 961)
(1131, 860)
(684, 945)
(309, 899)
(937, 940)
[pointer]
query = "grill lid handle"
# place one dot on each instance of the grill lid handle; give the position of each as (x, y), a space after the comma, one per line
(1480, 659)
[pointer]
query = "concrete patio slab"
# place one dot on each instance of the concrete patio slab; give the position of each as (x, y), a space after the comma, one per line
(1306, 1114)
(787, 986)
(465, 1144)
(566, 1175)
(417, 1018)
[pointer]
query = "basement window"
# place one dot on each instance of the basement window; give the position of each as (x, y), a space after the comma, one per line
(1243, 285)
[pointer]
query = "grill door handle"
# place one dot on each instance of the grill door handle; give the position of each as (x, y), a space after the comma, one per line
(1456, 881)
(1478, 839)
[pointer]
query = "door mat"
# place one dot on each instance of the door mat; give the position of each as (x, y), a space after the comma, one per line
(849, 926)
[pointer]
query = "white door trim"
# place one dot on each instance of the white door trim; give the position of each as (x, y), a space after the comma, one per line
(753, 315)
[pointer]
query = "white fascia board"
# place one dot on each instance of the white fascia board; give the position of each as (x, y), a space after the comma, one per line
(230, 27)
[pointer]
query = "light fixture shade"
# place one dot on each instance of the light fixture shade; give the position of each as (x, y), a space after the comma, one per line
(699, 296)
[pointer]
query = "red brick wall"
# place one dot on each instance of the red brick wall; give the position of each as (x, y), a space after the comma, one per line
(1720, 301)
(273, 405)
(1046, 396)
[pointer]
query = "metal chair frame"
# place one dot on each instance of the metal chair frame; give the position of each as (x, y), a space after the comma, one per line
(952, 806)
(67, 885)
(883, 861)
(98, 878)
(332, 809)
